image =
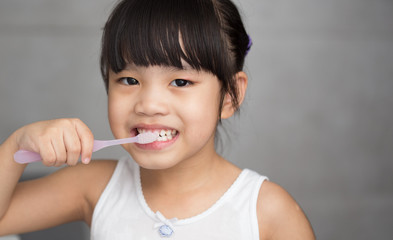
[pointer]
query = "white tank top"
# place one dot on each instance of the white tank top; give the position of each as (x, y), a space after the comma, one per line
(122, 212)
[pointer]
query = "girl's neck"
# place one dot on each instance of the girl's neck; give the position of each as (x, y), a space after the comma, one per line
(185, 191)
(184, 177)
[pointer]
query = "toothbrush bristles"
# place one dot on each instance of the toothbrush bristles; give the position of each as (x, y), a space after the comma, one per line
(147, 137)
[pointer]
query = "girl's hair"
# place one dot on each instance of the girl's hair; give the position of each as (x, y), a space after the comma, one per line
(207, 34)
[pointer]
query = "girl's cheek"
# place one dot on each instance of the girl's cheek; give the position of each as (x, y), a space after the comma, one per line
(115, 114)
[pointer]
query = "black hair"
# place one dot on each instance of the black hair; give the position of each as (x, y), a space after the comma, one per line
(207, 34)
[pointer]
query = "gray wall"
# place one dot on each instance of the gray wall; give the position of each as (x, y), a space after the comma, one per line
(318, 117)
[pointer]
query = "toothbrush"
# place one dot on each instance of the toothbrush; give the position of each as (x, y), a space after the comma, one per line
(24, 156)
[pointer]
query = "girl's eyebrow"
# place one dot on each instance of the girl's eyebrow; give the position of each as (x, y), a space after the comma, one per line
(130, 66)
(183, 68)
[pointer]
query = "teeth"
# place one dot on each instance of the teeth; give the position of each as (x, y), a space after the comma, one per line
(141, 130)
(163, 138)
(164, 134)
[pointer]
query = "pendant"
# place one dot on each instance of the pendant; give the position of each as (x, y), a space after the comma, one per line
(165, 231)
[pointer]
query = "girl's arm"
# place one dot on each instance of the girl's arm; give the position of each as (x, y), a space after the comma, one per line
(279, 216)
(67, 195)
(10, 173)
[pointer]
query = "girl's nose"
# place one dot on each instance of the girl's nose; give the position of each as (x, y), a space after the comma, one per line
(151, 103)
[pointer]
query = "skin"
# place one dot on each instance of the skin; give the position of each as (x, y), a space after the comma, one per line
(174, 174)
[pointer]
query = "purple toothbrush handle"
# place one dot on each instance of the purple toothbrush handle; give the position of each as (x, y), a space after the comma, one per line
(24, 156)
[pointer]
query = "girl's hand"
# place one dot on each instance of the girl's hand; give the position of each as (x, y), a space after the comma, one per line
(60, 141)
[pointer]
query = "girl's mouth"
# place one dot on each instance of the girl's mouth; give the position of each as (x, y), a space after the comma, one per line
(166, 137)
(163, 134)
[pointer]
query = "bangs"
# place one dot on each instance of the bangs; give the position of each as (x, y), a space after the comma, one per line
(165, 32)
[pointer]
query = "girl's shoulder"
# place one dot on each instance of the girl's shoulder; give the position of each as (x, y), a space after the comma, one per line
(90, 180)
(97, 175)
(279, 216)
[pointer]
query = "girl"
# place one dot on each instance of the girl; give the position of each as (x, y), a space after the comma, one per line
(172, 67)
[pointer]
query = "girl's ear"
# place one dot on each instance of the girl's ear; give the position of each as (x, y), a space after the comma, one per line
(227, 107)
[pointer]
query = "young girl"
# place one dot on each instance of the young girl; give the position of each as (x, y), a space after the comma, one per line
(172, 67)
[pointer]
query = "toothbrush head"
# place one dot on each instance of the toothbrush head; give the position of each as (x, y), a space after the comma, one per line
(147, 137)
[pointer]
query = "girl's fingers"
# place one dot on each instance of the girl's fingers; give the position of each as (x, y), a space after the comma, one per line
(72, 146)
(47, 153)
(87, 141)
(60, 150)
(60, 141)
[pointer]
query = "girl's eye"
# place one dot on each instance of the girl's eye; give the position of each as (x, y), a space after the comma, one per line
(129, 81)
(180, 83)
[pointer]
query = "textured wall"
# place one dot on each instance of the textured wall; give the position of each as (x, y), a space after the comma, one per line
(318, 117)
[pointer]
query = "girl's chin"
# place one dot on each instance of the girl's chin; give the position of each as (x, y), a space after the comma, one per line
(155, 162)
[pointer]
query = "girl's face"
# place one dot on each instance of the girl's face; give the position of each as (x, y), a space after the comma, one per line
(181, 104)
